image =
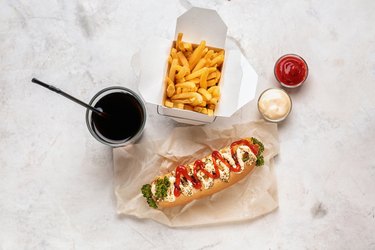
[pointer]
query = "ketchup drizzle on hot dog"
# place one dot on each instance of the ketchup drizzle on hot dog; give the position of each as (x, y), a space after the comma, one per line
(253, 148)
(181, 170)
(217, 156)
(199, 165)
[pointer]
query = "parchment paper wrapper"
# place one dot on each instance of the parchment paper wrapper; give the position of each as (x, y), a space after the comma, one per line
(138, 164)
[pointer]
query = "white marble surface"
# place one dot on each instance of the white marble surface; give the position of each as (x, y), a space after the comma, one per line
(56, 180)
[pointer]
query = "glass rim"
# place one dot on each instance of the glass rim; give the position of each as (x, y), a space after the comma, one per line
(102, 139)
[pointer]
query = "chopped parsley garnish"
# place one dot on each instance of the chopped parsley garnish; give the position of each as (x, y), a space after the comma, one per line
(162, 186)
(260, 161)
(161, 191)
(260, 158)
(146, 191)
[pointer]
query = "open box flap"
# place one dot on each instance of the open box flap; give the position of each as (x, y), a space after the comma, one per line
(248, 83)
(153, 63)
(199, 24)
(230, 84)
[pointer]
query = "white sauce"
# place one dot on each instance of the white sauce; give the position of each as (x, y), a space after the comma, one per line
(170, 192)
(223, 169)
(228, 156)
(207, 182)
(224, 173)
(209, 165)
(274, 104)
(153, 188)
(241, 150)
(187, 188)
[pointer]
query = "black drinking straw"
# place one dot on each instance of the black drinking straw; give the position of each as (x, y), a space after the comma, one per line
(59, 91)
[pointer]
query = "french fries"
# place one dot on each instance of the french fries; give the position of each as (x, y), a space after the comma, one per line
(193, 76)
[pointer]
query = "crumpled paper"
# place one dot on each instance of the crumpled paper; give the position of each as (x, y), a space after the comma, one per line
(138, 164)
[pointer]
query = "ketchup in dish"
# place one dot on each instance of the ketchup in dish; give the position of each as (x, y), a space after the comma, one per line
(291, 70)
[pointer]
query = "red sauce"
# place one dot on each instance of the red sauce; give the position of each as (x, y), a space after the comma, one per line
(199, 165)
(181, 170)
(291, 70)
(253, 148)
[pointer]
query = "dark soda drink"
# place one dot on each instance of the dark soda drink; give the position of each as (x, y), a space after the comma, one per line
(124, 120)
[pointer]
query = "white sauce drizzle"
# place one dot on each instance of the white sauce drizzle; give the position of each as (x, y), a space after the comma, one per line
(187, 188)
(170, 192)
(241, 150)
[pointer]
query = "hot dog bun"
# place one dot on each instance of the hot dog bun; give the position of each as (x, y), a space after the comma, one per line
(218, 186)
(202, 178)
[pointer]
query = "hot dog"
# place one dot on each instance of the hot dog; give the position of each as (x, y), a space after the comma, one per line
(204, 177)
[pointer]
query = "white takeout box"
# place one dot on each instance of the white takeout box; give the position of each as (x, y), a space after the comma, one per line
(238, 80)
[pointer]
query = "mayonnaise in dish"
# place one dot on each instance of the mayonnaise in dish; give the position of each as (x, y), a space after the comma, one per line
(274, 104)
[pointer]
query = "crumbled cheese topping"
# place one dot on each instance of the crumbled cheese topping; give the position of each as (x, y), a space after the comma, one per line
(207, 182)
(187, 188)
(209, 165)
(224, 173)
